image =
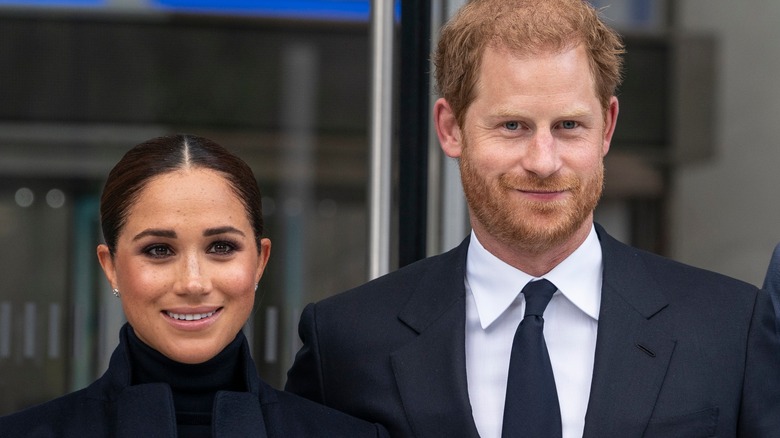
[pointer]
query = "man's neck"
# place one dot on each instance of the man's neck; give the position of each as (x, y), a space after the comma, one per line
(534, 262)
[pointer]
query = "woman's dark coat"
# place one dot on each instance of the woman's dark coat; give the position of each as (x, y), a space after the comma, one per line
(111, 407)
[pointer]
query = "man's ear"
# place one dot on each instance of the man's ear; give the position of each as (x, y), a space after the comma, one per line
(610, 121)
(447, 128)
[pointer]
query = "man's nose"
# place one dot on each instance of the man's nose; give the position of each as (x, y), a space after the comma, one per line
(541, 156)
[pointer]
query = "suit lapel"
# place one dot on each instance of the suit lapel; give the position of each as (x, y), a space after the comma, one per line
(632, 351)
(631, 359)
(430, 371)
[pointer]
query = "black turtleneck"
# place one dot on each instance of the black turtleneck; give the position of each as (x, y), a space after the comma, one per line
(193, 386)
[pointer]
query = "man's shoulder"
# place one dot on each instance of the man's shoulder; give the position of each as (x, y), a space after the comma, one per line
(292, 415)
(666, 271)
(669, 269)
(396, 286)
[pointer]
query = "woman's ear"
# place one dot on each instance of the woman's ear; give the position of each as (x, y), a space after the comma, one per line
(264, 255)
(106, 260)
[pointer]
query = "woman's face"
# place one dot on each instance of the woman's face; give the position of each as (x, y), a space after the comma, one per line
(186, 264)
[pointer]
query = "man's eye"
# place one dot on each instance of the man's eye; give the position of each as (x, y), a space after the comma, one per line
(222, 248)
(569, 124)
(159, 251)
(512, 126)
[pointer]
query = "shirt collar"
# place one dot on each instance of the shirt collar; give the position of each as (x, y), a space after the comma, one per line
(495, 284)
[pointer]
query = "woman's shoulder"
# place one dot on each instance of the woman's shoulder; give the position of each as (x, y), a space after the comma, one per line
(56, 417)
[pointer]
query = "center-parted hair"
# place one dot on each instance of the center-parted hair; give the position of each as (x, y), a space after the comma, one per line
(523, 27)
(163, 155)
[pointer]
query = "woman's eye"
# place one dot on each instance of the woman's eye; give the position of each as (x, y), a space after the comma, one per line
(222, 248)
(159, 251)
(569, 124)
(512, 126)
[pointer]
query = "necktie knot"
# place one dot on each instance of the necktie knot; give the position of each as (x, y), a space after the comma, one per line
(537, 296)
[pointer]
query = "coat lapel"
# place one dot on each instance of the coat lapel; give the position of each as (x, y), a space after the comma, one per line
(632, 350)
(146, 410)
(237, 414)
(430, 371)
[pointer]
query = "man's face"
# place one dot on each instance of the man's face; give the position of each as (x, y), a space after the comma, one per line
(532, 148)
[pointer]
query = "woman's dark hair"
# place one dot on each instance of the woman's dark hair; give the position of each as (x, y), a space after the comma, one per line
(163, 155)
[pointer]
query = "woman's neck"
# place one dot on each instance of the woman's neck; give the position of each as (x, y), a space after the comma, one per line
(193, 385)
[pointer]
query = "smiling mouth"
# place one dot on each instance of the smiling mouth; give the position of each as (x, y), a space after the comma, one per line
(542, 192)
(190, 316)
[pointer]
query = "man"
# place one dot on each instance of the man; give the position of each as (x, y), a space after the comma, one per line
(772, 282)
(639, 346)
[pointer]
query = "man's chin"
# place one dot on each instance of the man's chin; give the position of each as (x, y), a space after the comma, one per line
(543, 234)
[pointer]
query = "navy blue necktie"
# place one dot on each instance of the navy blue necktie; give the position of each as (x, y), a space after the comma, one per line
(532, 408)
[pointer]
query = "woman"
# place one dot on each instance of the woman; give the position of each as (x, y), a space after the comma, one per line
(184, 252)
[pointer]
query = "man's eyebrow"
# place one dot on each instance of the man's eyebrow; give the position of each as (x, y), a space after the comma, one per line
(508, 112)
(156, 232)
(576, 113)
(222, 230)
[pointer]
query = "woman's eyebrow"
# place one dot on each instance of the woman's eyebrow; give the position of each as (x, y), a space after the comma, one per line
(222, 230)
(156, 232)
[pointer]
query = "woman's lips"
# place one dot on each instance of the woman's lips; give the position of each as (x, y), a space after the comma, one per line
(191, 315)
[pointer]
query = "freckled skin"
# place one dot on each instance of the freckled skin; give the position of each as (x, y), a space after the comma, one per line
(167, 259)
(531, 154)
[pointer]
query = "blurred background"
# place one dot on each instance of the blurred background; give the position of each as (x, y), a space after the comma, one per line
(289, 85)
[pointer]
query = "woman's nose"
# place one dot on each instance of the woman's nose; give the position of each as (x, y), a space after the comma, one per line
(193, 278)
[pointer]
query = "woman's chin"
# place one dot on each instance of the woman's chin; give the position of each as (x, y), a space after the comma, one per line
(192, 356)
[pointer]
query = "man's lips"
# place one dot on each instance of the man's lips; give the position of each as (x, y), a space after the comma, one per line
(543, 193)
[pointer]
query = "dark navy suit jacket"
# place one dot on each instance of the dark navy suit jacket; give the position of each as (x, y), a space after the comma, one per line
(680, 352)
(111, 407)
(772, 282)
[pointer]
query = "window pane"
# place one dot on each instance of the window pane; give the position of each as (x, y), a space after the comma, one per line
(289, 96)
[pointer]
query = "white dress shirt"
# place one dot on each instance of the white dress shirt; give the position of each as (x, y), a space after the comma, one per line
(495, 307)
